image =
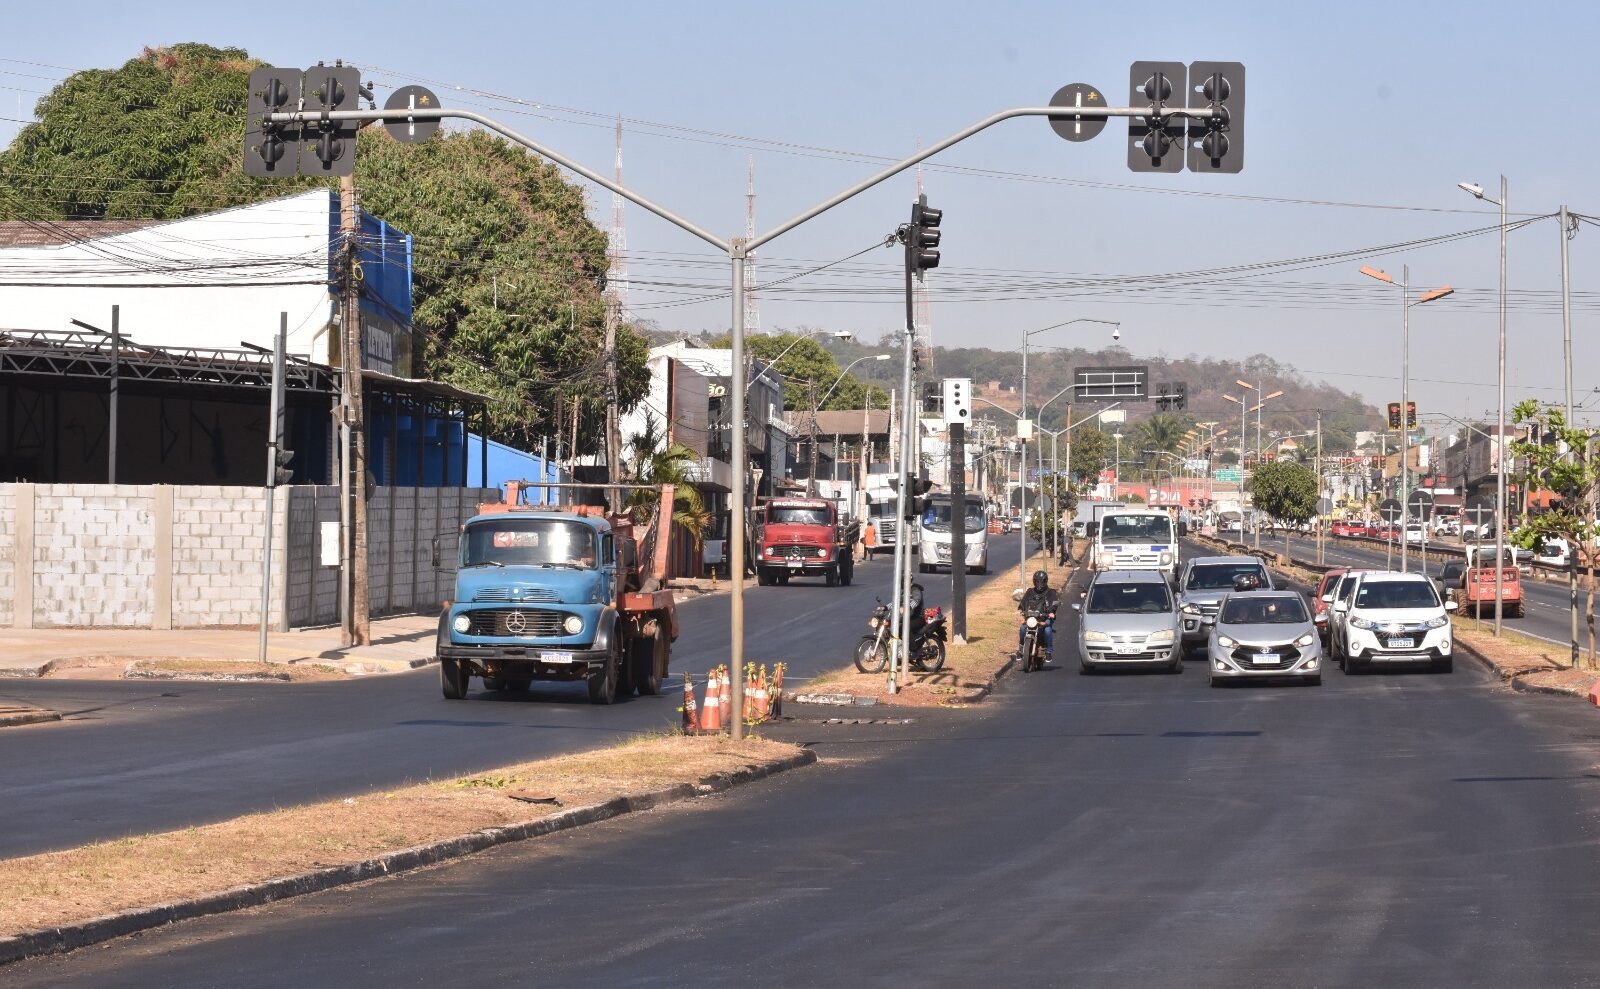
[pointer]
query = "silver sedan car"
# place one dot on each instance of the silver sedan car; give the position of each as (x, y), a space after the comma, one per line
(1260, 634)
(1128, 619)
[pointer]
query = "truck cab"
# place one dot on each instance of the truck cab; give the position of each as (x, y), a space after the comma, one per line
(1130, 539)
(804, 537)
(554, 595)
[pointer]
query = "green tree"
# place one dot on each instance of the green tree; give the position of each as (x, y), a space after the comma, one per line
(509, 271)
(1163, 431)
(1286, 491)
(1091, 450)
(652, 460)
(1567, 467)
(803, 361)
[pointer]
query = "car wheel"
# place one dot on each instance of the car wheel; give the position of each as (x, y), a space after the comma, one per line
(453, 679)
(1445, 665)
(1314, 681)
(1212, 681)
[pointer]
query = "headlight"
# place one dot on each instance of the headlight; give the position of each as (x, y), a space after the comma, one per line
(1097, 638)
(1032, 622)
(872, 623)
(1361, 622)
(573, 624)
(461, 624)
(1306, 640)
(1166, 559)
(1161, 638)
(1105, 561)
(821, 553)
(1191, 609)
(1439, 622)
(1225, 642)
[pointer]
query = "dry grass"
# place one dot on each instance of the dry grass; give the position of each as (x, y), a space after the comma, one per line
(233, 669)
(45, 890)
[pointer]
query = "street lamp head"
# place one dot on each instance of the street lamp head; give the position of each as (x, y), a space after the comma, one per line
(1471, 187)
(843, 335)
(1378, 273)
(1235, 401)
(1268, 398)
(881, 357)
(1437, 293)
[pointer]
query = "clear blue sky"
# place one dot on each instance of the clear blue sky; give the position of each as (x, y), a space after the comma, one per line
(1386, 104)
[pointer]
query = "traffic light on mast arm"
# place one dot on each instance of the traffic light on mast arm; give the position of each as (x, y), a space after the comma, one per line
(922, 238)
(1394, 415)
(1411, 415)
(282, 473)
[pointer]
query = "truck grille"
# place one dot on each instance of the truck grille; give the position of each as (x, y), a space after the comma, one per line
(541, 594)
(516, 622)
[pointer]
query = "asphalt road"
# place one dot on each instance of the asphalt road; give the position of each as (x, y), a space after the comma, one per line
(1128, 830)
(138, 756)
(1547, 603)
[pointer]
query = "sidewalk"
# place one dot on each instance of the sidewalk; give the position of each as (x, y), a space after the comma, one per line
(398, 644)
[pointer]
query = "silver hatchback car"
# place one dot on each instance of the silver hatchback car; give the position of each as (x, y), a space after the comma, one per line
(1128, 619)
(1264, 634)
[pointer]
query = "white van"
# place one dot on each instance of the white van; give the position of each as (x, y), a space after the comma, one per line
(1137, 540)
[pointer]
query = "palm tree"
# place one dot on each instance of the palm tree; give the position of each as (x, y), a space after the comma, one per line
(1163, 431)
(652, 460)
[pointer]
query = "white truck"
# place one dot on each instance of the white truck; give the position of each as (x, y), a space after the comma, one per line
(882, 513)
(1134, 539)
(933, 545)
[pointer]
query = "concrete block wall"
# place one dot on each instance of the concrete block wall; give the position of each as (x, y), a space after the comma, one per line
(93, 555)
(218, 541)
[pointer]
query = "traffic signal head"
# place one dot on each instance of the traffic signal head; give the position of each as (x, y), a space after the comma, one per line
(1411, 415)
(922, 240)
(328, 147)
(1216, 144)
(1154, 140)
(270, 149)
(1180, 396)
(282, 473)
(1394, 415)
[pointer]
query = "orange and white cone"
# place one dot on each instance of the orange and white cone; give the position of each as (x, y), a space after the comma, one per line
(712, 720)
(725, 697)
(691, 719)
(777, 691)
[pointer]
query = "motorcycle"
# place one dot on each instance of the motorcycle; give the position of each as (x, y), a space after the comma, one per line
(927, 652)
(1031, 656)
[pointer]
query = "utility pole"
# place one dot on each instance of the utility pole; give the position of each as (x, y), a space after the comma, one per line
(355, 628)
(613, 438)
(1321, 522)
(811, 469)
(275, 417)
(1566, 346)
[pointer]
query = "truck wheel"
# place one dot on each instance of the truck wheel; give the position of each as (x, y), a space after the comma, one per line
(494, 683)
(603, 685)
(625, 682)
(832, 576)
(847, 572)
(763, 577)
(453, 679)
(650, 663)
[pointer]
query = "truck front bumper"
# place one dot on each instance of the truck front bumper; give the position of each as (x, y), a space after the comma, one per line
(533, 662)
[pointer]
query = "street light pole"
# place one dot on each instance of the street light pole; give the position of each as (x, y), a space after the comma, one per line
(1500, 387)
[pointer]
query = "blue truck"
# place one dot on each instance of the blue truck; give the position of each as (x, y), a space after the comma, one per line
(547, 592)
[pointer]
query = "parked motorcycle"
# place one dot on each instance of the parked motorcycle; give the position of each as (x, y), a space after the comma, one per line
(1031, 657)
(927, 652)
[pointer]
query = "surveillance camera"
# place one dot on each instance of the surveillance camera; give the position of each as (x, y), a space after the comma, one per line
(1116, 333)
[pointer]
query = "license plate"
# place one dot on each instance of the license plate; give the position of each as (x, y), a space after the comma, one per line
(796, 565)
(1402, 643)
(1129, 650)
(559, 658)
(1265, 659)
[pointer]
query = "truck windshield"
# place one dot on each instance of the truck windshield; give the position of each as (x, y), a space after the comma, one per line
(1136, 529)
(512, 542)
(1129, 599)
(937, 517)
(793, 515)
(1219, 576)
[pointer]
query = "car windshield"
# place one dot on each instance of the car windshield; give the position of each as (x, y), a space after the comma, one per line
(796, 515)
(511, 542)
(1143, 598)
(1396, 594)
(1219, 576)
(1136, 529)
(937, 517)
(1263, 609)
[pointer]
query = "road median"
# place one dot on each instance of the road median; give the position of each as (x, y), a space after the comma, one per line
(970, 670)
(59, 901)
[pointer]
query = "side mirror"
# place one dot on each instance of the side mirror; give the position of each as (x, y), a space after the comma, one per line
(1077, 606)
(1327, 599)
(435, 548)
(1016, 595)
(1342, 607)
(1208, 620)
(1451, 605)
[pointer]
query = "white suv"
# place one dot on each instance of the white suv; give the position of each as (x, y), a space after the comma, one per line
(1394, 618)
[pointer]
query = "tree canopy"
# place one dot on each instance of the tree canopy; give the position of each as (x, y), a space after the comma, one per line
(509, 270)
(803, 361)
(1284, 490)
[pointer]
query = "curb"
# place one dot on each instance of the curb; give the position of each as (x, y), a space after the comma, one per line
(57, 940)
(16, 718)
(1534, 688)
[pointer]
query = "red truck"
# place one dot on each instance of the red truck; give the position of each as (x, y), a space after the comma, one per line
(804, 537)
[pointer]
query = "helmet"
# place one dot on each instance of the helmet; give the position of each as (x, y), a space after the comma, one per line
(1041, 580)
(1246, 582)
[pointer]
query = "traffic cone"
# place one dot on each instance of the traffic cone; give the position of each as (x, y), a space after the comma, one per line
(712, 720)
(725, 696)
(691, 719)
(759, 695)
(749, 690)
(777, 690)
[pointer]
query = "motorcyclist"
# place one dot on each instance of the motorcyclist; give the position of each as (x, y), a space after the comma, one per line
(914, 603)
(1042, 598)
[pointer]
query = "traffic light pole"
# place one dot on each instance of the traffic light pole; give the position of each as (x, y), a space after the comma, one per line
(275, 413)
(958, 532)
(737, 250)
